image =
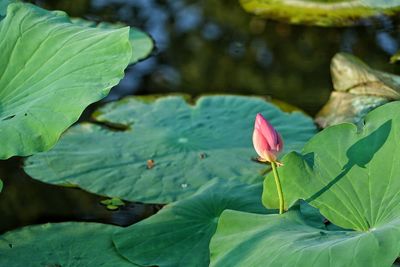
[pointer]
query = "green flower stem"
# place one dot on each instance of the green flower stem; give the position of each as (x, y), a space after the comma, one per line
(278, 187)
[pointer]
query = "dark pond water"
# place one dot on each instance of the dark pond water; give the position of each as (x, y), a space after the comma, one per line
(204, 46)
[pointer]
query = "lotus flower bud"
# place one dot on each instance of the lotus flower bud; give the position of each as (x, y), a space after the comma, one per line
(266, 140)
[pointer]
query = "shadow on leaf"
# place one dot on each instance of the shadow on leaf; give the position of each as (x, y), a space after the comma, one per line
(360, 154)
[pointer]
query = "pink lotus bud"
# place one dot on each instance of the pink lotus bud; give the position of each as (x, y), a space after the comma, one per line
(266, 140)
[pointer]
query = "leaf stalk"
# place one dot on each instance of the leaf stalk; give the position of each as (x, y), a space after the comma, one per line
(278, 187)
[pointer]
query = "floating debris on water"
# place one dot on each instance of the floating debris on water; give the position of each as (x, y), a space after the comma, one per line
(150, 164)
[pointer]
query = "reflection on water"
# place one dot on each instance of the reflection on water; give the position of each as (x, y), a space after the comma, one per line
(203, 46)
(214, 46)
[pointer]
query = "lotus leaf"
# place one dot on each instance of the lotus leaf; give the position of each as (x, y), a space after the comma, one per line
(50, 71)
(164, 150)
(351, 175)
(142, 43)
(179, 235)
(248, 239)
(61, 244)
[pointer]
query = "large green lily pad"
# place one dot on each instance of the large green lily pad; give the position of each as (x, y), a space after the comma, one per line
(61, 244)
(247, 239)
(349, 174)
(50, 70)
(142, 43)
(179, 235)
(165, 150)
(321, 12)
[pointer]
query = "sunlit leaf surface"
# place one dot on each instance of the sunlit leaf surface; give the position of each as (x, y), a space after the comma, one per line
(50, 70)
(248, 239)
(142, 43)
(352, 176)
